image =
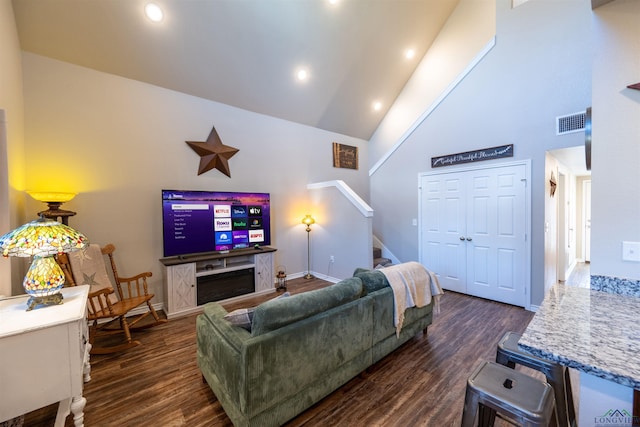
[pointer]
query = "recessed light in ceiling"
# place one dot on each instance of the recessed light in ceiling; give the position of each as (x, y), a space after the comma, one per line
(153, 12)
(377, 106)
(302, 74)
(333, 2)
(409, 53)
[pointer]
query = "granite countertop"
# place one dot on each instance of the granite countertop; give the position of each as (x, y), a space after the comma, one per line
(592, 331)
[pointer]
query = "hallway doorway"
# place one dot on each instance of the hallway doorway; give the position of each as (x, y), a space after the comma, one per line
(568, 219)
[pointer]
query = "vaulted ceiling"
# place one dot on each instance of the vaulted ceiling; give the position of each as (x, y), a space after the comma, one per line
(246, 53)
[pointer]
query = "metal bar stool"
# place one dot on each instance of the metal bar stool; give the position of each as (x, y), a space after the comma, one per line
(494, 388)
(508, 354)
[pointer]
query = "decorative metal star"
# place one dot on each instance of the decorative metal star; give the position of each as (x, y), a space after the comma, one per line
(213, 153)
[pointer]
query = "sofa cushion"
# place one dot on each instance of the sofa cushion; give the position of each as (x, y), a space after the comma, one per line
(372, 280)
(276, 313)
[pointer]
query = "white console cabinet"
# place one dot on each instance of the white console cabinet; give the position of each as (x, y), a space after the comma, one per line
(180, 287)
(190, 281)
(264, 271)
(45, 356)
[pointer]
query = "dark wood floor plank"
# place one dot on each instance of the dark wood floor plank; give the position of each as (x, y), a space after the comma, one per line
(420, 384)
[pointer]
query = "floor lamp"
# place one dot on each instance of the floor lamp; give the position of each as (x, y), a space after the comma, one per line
(308, 220)
(54, 200)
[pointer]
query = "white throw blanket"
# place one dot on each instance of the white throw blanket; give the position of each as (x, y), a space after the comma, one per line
(413, 286)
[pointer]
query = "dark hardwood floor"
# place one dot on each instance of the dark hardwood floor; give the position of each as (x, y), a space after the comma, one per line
(420, 384)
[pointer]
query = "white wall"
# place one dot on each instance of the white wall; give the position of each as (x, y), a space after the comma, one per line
(540, 68)
(341, 237)
(11, 141)
(468, 30)
(616, 138)
(118, 142)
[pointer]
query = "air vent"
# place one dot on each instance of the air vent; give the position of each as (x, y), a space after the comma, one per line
(570, 123)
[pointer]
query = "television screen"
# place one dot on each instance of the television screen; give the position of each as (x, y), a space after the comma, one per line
(211, 221)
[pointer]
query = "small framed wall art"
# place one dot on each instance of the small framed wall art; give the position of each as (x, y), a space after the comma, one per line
(345, 156)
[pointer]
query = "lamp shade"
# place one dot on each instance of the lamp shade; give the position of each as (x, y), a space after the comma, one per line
(41, 238)
(308, 220)
(51, 196)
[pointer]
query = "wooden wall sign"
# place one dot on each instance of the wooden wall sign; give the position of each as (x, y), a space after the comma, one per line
(473, 156)
(345, 156)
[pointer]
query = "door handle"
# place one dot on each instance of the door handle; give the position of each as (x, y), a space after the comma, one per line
(462, 238)
(469, 239)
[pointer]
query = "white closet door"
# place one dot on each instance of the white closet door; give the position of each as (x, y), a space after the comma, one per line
(496, 251)
(443, 229)
(473, 231)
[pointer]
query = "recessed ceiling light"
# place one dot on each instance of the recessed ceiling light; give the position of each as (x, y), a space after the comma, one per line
(409, 53)
(302, 74)
(333, 2)
(377, 105)
(153, 12)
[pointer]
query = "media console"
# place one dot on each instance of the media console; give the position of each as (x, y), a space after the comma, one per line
(193, 280)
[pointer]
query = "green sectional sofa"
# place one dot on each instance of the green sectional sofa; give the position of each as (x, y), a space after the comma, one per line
(300, 348)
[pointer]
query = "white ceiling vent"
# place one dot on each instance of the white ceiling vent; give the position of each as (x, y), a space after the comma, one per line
(570, 123)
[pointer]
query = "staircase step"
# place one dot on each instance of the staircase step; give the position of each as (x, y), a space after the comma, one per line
(377, 253)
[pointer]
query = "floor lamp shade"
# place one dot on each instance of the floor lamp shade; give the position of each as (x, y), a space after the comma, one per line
(54, 200)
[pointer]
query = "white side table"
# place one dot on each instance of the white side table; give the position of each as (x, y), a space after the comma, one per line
(44, 356)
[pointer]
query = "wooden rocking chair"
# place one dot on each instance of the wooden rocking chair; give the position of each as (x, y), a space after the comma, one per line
(107, 310)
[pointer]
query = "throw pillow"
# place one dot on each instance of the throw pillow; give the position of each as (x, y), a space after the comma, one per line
(89, 268)
(372, 280)
(243, 316)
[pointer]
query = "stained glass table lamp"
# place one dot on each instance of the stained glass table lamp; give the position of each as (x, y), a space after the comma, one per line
(42, 239)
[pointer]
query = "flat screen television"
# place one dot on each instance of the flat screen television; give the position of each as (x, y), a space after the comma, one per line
(214, 221)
